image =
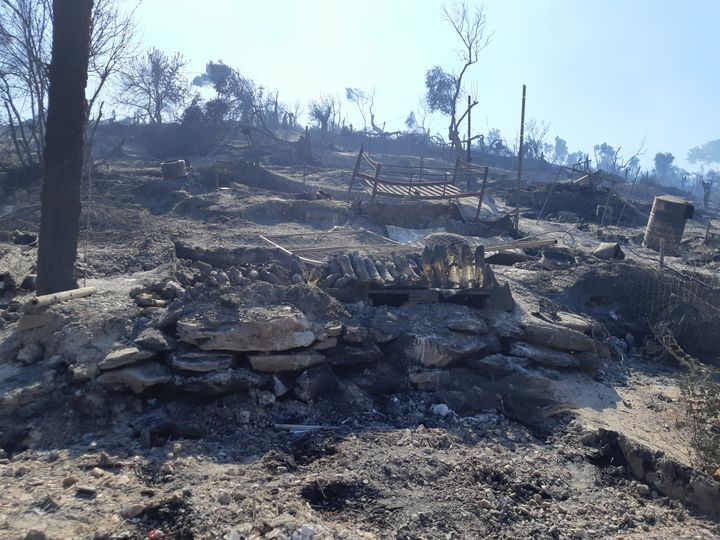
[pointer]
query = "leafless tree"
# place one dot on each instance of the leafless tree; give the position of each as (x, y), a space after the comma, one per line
(470, 26)
(321, 110)
(155, 84)
(361, 99)
(25, 40)
(535, 133)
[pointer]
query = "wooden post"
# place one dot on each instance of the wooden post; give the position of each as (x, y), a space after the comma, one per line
(520, 162)
(482, 193)
(662, 252)
(356, 169)
(378, 167)
(469, 157)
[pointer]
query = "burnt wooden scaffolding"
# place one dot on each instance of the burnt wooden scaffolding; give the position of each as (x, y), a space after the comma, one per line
(418, 182)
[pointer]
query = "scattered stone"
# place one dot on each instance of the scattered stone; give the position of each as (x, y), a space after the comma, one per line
(85, 491)
(133, 511)
(69, 481)
(137, 378)
(200, 361)
(643, 489)
(97, 472)
(35, 534)
(124, 357)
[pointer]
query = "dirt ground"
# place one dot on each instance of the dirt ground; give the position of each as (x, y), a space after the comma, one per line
(400, 466)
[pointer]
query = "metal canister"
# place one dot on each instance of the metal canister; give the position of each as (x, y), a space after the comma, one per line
(666, 224)
(174, 169)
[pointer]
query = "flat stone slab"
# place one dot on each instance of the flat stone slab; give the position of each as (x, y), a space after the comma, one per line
(545, 356)
(278, 363)
(222, 382)
(559, 337)
(200, 362)
(468, 326)
(124, 357)
(279, 328)
(137, 378)
(441, 351)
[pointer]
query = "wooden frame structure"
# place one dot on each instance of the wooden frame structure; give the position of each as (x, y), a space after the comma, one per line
(423, 183)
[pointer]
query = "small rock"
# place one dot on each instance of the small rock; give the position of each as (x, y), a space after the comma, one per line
(484, 503)
(85, 491)
(35, 534)
(123, 357)
(355, 334)
(97, 472)
(31, 353)
(297, 279)
(643, 489)
(69, 481)
(152, 338)
(133, 511)
(441, 410)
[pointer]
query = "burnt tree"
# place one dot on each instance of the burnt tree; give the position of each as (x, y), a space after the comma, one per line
(60, 214)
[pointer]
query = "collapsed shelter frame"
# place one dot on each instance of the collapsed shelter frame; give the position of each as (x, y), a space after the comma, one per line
(425, 183)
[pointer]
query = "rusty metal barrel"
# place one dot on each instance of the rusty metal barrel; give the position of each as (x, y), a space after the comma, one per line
(174, 169)
(666, 224)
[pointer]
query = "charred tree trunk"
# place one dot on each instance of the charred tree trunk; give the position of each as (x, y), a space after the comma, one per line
(60, 218)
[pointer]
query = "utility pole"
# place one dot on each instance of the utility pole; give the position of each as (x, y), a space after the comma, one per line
(520, 162)
(469, 157)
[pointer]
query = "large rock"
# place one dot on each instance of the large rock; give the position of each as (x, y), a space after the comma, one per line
(441, 351)
(222, 382)
(314, 383)
(124, 357)
(558, 337)
(278, 328)
(200, 362)
(545, 356)
(137, 378)
(278, 363)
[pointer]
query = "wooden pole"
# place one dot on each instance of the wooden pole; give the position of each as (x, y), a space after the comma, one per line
(520, 162)
(469, 157)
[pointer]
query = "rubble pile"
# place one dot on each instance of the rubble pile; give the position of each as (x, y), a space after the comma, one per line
(206, 331)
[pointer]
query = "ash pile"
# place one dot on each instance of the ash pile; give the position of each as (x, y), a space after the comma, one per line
(276, 331)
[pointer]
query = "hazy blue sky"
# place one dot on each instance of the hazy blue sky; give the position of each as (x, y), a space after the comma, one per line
(613, 71)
